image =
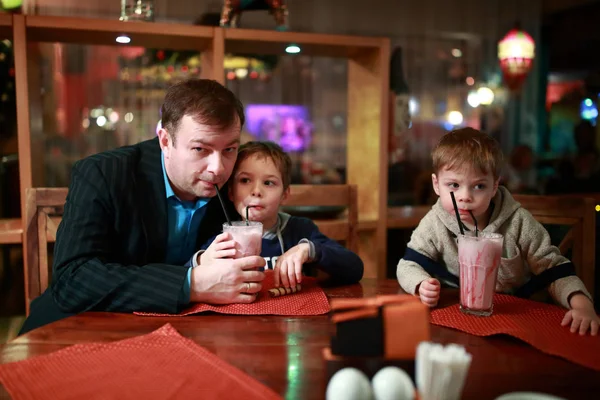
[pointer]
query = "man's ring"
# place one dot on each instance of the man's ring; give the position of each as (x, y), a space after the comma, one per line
(247, 287)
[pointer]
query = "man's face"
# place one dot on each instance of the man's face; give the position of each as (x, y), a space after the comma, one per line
(201, 157)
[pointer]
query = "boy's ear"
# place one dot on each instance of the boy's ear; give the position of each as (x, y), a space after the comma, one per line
(496, 184)
(435, 184)
(285, 195)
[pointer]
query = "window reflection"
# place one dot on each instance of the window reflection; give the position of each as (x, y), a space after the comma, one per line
(95, 98)
(299, 102)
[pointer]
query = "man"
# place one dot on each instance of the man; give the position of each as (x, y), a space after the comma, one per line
(135, 215)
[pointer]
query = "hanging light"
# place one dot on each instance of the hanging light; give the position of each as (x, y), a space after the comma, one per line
(485, 95)
(455, 118)
(516, 52)
(473, 99)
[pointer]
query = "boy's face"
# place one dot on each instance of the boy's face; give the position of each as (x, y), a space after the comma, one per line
(258, 183)
(472, 189)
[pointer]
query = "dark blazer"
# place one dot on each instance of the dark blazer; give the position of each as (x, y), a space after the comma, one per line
(111, 244)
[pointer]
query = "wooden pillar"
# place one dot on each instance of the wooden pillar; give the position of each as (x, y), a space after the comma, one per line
(23, 121)
(367, 150)
(212, 59)
(23, 130)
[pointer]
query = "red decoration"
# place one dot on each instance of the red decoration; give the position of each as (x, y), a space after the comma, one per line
(555, 91)
(131, 52)
(516, 52)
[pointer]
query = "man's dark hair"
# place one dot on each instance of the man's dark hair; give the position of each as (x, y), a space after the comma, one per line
(206, 101)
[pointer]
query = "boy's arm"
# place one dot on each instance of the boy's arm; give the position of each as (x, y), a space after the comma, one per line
(341, 264)
(541, 255)
(409, 272)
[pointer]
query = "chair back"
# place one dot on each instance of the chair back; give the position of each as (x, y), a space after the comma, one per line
(579, 214)
(43, 211)
(305, 198)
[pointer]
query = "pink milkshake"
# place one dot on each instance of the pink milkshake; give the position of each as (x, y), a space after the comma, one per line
(248, 238)
(479, 260)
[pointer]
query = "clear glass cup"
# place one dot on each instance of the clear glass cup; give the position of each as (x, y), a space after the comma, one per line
(247, 235)
(479, 260)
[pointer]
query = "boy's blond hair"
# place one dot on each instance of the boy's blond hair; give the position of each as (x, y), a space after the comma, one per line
(468, 147)
(270, 150)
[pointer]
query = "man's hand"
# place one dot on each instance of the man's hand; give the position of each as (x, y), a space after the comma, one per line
(288, 270)
(582, 316)
(226, 281)
(429, 292)
(222, 247)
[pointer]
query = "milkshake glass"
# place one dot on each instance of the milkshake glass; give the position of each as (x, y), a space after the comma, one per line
(479, 261)
(247, 235)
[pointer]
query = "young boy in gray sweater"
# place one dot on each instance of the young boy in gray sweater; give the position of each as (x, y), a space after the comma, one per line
(468, 163)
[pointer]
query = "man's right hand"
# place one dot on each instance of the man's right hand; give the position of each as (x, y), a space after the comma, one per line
(227, 281)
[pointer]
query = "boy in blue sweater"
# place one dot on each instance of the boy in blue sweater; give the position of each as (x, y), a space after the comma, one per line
(261, 180)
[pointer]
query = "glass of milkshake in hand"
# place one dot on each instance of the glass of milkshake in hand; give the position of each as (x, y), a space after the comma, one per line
(479, 259)
(247, 236)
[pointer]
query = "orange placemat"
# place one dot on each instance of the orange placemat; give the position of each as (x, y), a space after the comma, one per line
(533, 322)
(159, 365)
(311, 300)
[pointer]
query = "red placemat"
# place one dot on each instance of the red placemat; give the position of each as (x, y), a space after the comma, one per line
(311, 300)
(159, 365)
(533, 322)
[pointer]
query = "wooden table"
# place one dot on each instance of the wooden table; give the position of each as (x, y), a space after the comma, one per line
(285, 352)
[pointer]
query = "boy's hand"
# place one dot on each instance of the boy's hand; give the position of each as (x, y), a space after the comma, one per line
(582, 316)
(222, 247)
(429, 292)
(288, 270)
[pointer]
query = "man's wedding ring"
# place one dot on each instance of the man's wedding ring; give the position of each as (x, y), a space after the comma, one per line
(247, 287)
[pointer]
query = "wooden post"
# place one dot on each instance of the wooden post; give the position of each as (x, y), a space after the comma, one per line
(212, 59)
(367, 150)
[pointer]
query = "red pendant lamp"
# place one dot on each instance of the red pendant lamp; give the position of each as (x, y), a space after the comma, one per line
(516, 52)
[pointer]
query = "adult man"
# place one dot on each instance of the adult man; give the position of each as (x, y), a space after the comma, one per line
(134, 215)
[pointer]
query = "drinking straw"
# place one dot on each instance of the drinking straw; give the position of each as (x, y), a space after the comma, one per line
(475, 221)
(247, 223)
(462, 232)
(222, 205)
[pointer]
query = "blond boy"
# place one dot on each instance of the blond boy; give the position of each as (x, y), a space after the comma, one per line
(468, 163)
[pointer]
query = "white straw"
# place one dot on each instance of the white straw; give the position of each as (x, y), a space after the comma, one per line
(441, 371)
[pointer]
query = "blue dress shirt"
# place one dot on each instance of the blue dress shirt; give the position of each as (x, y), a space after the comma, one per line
(183, 222)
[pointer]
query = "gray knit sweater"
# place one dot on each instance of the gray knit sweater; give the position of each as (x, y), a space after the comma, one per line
(527, 249)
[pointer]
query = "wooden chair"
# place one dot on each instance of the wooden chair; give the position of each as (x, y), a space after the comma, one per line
(339, 229)
(42, 216)
(579, 214)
